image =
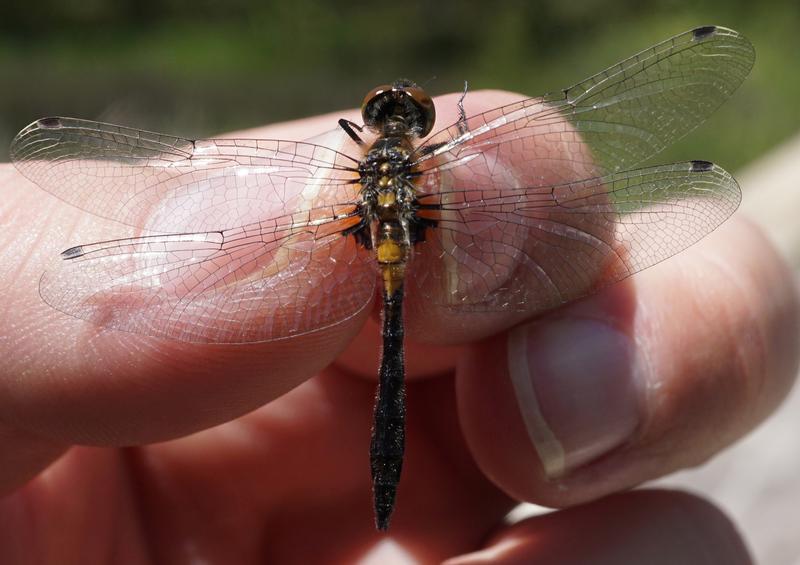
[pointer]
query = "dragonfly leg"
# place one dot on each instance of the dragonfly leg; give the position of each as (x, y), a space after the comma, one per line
(462, 114)
(349, 128)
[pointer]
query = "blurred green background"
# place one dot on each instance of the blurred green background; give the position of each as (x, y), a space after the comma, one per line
(196, 68)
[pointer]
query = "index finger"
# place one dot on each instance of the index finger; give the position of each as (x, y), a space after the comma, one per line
(74, 382)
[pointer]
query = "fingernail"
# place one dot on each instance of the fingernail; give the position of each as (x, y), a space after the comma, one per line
(577, 384)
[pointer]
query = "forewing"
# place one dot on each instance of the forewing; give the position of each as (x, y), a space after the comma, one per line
(163, 183)
(277, 278)
(605, 124)
(529, 250)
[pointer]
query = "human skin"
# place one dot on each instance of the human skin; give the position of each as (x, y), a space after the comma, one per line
(258, 453)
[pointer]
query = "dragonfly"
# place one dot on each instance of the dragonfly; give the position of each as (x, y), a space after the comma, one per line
(510, 212)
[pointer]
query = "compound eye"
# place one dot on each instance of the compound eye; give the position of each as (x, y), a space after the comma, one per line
(424, 103)
(402, 99)
(368, 113)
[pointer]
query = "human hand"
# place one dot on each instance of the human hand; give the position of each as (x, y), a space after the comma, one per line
(651, 375)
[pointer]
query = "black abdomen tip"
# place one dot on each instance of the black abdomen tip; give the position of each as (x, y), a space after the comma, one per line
(384, 505)
(50, 123)
(703, 32)
(701, 166)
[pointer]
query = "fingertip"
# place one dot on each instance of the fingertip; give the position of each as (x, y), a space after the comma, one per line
(614, 391)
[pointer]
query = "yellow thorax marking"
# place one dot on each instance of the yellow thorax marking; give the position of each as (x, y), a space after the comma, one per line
(386, 199)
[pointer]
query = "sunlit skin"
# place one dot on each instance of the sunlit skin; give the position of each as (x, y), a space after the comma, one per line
(281, 478)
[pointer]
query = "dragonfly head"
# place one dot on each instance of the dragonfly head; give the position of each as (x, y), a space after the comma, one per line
(399, 108)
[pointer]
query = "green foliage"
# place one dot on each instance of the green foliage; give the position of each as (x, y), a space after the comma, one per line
(195, 68)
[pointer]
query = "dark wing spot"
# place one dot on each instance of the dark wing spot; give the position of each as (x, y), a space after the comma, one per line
(72, 252)
(703, 32)
(49, 123)
(701, 166)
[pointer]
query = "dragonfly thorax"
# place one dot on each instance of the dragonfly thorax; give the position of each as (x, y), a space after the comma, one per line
(388, 196)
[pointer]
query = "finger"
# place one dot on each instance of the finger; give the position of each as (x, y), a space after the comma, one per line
(80, 510)
(656, 527)
(648, 377)
(23, 455)
(69, 381)
(302, 464)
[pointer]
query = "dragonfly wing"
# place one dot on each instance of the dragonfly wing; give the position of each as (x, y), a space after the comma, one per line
(164, 183)
(270, 280)
(607, 123)
(529, 250)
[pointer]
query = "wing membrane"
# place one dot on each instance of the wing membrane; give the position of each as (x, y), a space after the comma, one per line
(609, 122)
(281, 277)
(532, 249)
(169, 184)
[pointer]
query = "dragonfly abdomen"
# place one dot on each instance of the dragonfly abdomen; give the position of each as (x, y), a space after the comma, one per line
(388, 433)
